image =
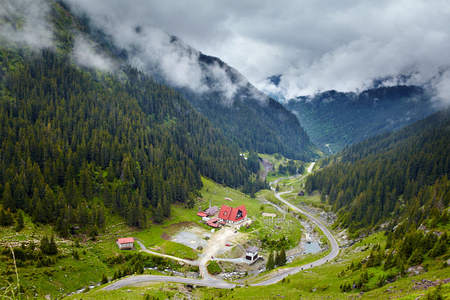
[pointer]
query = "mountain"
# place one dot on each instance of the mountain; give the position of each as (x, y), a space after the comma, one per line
(255, 121)
(333, 119)
(399, 177)
(252, 119)
(75, 139)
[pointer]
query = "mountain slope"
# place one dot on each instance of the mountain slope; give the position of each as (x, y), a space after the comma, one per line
(339, 119)
(70, 136)
(401, 176)
(255, 121)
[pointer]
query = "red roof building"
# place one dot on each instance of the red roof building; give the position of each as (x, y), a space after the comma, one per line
(202, 214)
(232, 215)
(213, 222)
(125, 243)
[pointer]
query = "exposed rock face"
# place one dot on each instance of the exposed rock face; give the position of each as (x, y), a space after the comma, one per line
(425, 283)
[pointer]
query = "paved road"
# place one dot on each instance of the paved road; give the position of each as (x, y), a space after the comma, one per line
(332, 240)
(289, 271)
(211, 281)
(216, 283)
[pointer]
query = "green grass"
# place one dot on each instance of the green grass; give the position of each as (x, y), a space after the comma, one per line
(213, 267)
(68, 274)
(315, 283)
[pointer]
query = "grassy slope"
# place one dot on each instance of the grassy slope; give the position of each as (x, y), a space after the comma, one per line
(317, 283)
(68, 274)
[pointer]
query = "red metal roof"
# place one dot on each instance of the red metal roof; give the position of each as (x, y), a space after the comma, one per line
(232, 214)
(213, 222)
(126, 240)
(225, 212)
(202, 214)
(238, 213)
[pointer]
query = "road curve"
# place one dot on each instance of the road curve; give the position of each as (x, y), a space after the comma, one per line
(211, 281)
(332, 240)
(289, 271)
(161, 278)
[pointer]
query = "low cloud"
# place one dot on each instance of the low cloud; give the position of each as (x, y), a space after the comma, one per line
(314, 45)
(85, 54)
(158, 53)
(25, 22)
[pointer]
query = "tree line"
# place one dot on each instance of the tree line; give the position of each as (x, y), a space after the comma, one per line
(402, 176)
(76, 144)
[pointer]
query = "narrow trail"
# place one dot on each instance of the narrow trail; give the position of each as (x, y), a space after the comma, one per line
(214, 245)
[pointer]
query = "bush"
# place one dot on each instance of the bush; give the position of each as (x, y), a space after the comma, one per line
(104, 279)
(214, 268)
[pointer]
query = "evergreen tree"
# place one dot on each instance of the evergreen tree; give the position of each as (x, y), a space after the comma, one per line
(7, 199)
(270, 262)
(104, 279)
(282, 257)
(159, 214)
(19, 221)
(166, 207)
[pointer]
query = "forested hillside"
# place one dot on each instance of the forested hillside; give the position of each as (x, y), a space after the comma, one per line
(253, 120)
(338, 119)
(393, 178)
(75, 142)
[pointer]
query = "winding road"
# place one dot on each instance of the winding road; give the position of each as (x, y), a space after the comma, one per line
(210, 281)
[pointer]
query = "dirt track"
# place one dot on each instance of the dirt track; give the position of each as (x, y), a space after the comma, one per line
(217, 241)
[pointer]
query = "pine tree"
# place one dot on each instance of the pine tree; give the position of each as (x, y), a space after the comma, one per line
(166, 207)
(7, 200)
(277, 259)
(19, 221)
(94, 232)
(104, 279)
(282, 257)
(270, 262)
(159, 214)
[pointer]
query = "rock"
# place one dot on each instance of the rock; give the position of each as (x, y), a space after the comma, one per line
(48, 297)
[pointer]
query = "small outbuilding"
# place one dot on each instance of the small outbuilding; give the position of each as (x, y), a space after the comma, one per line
(213, 222)
(125, 243)
(252, 253)
(212, 210)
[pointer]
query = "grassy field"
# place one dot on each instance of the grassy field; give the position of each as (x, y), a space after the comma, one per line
(68, 274)
(317, 283)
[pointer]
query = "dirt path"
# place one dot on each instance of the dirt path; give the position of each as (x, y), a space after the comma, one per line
(267, 166)
(217, 242)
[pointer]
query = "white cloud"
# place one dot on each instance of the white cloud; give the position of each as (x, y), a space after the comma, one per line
(26, 22)
(316, 45)
(84, 54)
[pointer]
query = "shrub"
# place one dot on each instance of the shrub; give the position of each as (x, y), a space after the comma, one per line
(214, 268)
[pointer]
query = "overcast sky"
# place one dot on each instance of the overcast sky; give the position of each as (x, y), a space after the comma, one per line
(316, 45)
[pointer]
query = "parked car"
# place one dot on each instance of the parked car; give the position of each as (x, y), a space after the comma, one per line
(228, 245)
